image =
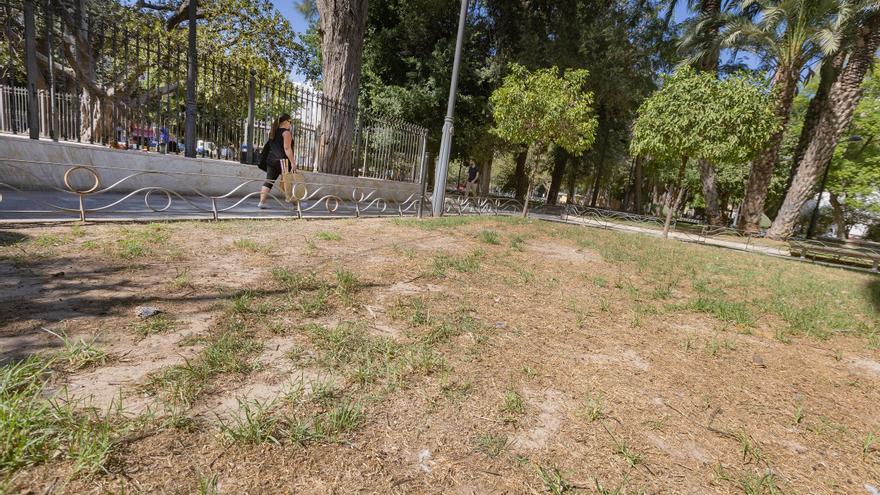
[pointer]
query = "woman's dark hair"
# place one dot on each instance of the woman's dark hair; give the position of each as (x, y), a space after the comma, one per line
(280, 120)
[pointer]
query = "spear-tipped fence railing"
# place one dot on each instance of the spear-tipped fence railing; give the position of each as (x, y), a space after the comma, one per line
(108, 74)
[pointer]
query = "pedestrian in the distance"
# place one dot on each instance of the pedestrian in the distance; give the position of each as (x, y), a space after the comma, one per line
(281, 147)
(473, 179)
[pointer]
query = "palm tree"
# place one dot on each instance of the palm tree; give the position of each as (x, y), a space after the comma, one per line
(787, 35)
(862, 39)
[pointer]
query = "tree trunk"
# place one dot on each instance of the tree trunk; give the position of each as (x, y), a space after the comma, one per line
(486, 176)
(836, 117)
(600, 165)
(341, 27)
(560, 159)
(572, 181)
(837, 216)
(827, 75)
(785, 82)
(710, 192)
(670, 207)
(520, 175)
(637, 186)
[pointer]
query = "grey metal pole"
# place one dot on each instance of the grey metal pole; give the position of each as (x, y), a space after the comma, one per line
(53, 131)
(30, 57)
(423, 174)
(439, 197)
(251, 155)
(191, 75)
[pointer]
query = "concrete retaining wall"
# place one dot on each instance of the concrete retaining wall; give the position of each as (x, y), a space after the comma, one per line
(40, 165)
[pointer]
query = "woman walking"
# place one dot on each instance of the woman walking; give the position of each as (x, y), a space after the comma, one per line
(280, 148)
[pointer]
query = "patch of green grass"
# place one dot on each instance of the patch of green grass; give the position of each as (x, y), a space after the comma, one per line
(341, 419)
(181, 280)
(228, 352)
(750, 451)
(512, 406)
(517, 243)
(724, 310)
(50, 240)
(490, 237)
(346, 285)
(208, 484)
(414, 309)
(36, 428)
(553, 480)
(155, 325)
(715, 346)
(253, 424)
(592, 409)
(798, 413)
(78, 353)
(293, 282)
(328, 236)
(139, 242)
(252, 246)
(439, 223)
(869, 444)
(490, 444)
(315, 303)
(631, 457)
(464, 264)
(751, 483)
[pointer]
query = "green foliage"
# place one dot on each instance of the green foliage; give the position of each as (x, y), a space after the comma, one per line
(696, 115)
(544, 106)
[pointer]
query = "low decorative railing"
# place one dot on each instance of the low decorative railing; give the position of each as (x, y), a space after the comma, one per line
(83, 194)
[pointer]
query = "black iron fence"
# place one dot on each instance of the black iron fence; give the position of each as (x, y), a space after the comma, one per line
(105, 73)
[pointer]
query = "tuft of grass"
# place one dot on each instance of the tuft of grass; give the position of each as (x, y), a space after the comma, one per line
(714, 346)
(869, 444)
(227, 353)
(293, 282)
(328, 236)
(517, 243)
(490, 237)
(749, 450)
(339, 420)
(315, 303)
(252, 246)
(79, 353)
(140, 242)
(155, 325)
(629, 455)
(346, 285)
(592, 409)
(208, 484)
(798, 413)
(464, 264)
(181, 280)
(512, 406)
(751, 483)
(490, 444)
(253, 424)
(726, 311)
(553, 480)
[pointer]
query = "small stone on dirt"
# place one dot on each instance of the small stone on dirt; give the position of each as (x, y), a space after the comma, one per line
(758, 361)
(500, 324)
(146, 311)
(872, 490)
(424, 457)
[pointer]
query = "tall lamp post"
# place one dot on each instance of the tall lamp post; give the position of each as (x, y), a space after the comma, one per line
(439, 197)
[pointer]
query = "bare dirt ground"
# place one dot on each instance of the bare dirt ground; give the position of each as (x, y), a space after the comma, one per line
(460, 356)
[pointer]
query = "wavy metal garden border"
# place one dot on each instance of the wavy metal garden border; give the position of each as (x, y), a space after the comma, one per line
(311, 195)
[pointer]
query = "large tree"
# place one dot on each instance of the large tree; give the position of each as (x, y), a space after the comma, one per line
(836, 115)
(544, 109)
(787, 35)
(341, 30)
(696, 116)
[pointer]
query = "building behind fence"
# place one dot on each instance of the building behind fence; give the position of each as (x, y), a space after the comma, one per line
(137, 97)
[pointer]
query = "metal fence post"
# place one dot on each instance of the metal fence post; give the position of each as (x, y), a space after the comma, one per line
(423, 176)
(30, 56)
(249, 132)
(192, 68)
(53, 128)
